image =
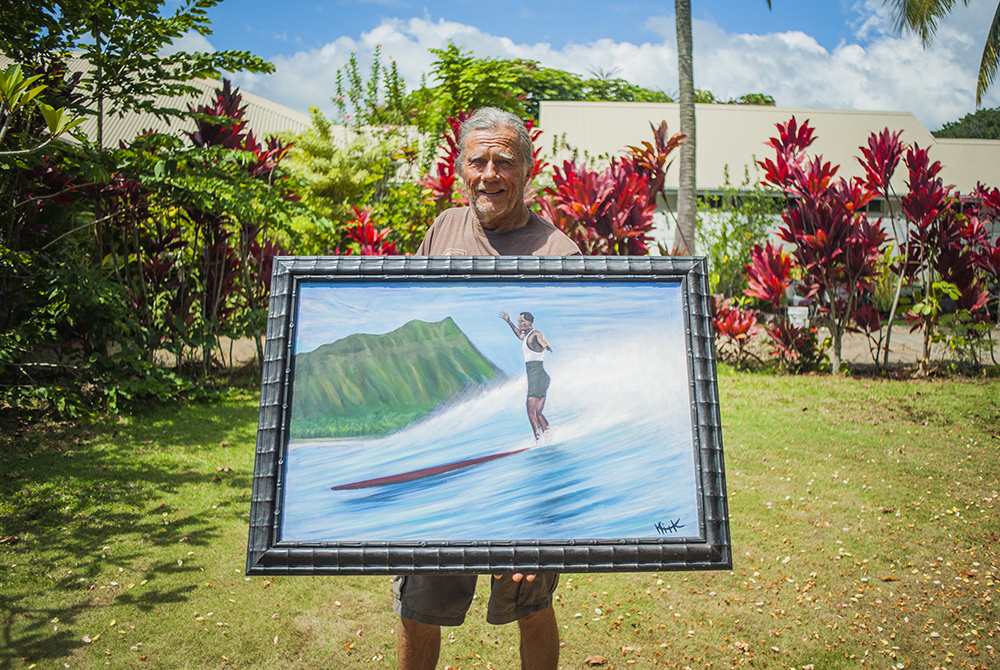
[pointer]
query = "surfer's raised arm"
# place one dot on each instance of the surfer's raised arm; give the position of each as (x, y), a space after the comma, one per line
(506, 317)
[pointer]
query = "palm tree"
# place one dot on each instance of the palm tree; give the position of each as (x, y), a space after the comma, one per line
(687, 195)
(687, 188)
(922, 17)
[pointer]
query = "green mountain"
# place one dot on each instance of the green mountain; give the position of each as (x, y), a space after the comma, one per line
(375, 384)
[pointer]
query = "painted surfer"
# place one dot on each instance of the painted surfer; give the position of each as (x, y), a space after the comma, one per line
(535, 345)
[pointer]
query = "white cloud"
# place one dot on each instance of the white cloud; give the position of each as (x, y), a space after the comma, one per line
(877, 70)
(190, 42)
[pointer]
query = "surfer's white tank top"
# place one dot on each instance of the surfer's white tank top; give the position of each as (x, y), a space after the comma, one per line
(529, 353)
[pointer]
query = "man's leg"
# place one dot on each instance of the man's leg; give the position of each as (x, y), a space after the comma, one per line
(539, 641)
(536, 430)
(543, 423)
(418, 645)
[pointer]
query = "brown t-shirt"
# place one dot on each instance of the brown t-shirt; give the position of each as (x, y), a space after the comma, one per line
(456, 232)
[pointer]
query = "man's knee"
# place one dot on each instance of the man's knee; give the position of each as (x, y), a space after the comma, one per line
(416, 630)
(418, 645)
(542, 621)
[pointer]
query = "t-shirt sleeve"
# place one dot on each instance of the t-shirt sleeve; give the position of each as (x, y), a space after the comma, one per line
(427, 244)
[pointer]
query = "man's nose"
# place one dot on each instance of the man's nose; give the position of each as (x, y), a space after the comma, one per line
(489, 172)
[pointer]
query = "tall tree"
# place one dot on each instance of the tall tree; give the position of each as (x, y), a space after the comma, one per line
(687, 191)
(922, 17)
(124, 44)
(687, 186)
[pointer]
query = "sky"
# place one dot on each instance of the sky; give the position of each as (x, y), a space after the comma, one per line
(329, 312)
(836, 54)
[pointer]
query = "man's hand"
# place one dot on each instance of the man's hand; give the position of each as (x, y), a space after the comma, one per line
(517, 576)
(505, 316)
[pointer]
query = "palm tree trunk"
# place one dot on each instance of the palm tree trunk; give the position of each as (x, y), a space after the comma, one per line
(687, 197)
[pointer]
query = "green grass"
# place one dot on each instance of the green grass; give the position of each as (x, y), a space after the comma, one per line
(864, 520)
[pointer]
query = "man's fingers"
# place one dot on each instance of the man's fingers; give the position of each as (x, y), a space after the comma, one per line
(517, 576)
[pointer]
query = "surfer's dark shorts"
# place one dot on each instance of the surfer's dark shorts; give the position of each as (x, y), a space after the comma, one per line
(443, 600)
(538, 379)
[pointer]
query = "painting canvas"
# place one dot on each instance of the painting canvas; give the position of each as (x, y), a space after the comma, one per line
(408, 419)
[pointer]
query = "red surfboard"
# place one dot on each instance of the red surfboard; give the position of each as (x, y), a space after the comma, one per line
(426, 472)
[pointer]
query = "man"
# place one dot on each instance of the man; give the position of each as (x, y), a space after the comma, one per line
(494, 164)
(534, 346)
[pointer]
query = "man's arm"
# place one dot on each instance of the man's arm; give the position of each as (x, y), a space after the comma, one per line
(506, 317)
(541, 339)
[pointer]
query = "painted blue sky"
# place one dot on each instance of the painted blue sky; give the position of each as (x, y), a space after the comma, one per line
(841, 54)
(574, 317)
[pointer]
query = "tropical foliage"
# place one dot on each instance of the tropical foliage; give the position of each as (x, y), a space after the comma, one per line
(837, 256)
(984, 124)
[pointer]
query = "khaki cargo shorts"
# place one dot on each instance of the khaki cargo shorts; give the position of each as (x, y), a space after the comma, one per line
(443, 600)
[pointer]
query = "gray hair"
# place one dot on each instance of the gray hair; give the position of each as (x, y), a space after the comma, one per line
(491, 118)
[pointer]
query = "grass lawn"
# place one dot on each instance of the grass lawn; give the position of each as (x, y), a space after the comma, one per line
(865, 519)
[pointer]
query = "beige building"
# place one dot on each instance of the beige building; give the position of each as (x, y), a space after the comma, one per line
(734, 136)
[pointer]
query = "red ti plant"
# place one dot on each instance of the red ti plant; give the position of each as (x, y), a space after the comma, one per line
(940, 242)
(365, 238)
(538, 164)
(789, 146)
(737, 327)
(868, 320)
(881, 157)
(650, 159)
(606, 213)
(220, 124)
(228, 272)
(442, 182)
(768, 275)
(611, 212)
(987, 253)
(834, 244)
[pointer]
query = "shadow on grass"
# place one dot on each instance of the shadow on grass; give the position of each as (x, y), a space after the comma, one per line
(77, 502)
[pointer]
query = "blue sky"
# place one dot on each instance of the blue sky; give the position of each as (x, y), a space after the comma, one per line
(834, 54)
(573, 316)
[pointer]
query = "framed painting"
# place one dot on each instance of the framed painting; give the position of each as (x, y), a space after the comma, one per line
(488, 415)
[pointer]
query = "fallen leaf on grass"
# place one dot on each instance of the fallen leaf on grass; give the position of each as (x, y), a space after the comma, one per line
(595, 660)
(890, 578)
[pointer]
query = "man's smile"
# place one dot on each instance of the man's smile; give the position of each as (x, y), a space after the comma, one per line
(494, 176)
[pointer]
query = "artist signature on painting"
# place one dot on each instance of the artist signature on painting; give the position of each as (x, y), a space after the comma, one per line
(672, 527)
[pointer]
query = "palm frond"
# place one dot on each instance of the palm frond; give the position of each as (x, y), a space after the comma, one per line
(920, 16)
(991, 58)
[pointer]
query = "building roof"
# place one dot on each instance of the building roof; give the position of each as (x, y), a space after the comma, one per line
(734, 136)
(263, 117)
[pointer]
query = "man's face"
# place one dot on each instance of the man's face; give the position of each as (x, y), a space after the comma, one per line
(523, 323)
(495, 178)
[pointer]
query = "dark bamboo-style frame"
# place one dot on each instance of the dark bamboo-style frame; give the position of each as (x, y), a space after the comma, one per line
(709, 550)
